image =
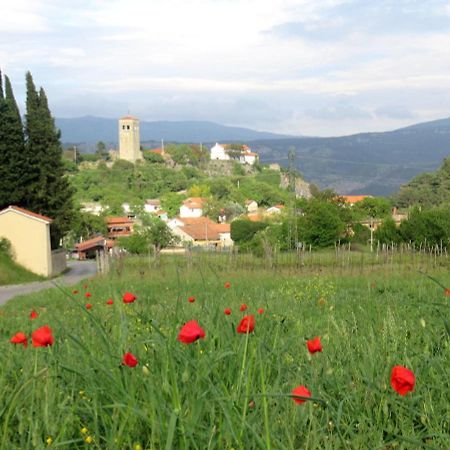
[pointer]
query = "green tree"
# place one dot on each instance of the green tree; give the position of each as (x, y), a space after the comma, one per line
(321, 225)
(49, 191)
(374, 207)
(14, 170)
(242, 231)
(101, 151)
(387, 232)
(171, 203)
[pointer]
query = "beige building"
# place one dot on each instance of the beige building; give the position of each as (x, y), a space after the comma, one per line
(29, 234)
(129, 139)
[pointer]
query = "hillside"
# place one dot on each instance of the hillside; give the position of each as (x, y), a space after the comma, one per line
(367, 163)
(93, 129)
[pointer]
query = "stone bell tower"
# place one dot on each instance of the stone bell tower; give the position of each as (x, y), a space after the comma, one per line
(129, 139)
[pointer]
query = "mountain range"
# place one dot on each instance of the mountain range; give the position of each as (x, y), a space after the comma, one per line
(364, 163)
(90, 129)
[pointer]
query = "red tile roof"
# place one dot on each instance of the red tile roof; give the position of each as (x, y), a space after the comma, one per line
(158, 151)
(118, 220)
(93, 242)
(28, 213)
(352, 199)
(205, 231)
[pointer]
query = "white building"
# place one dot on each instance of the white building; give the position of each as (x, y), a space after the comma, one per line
(244, 155)
(218, 152)
(152, 205)
(192, 207)
(92, 208)
(251, 206)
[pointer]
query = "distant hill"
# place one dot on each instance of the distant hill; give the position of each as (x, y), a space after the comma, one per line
(89, 129)
(366, 163)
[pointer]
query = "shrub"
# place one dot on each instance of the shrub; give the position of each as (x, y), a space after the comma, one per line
(243, 230)
(5, 247)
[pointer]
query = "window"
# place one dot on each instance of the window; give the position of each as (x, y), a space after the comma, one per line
(123, 127)
(128, 127)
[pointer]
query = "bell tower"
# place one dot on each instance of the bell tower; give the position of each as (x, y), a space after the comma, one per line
(129, 139)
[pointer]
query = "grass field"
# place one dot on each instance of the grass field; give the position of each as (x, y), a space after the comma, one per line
(11, 273)
(231, 390)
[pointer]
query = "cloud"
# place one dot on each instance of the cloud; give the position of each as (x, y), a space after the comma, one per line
(295, 66)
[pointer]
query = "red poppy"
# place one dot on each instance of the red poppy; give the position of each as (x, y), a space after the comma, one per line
(129, 360)
(42, 337)
(109, 301)
(88, 294)
(191, 299)
(190, 332)
(74, 291)
(128, 297)
(243, 307)
(227, 311)
(447, 292)
(261, 311)
(402, 380)
(301, 391)
(314, 345)
(19, 338)
(33, 315)
(227, 285)
(247, 324)
(88, 306)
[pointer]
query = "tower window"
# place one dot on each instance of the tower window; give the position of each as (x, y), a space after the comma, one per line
(128, 127)
(123, 127)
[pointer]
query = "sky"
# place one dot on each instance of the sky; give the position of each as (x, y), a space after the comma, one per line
(309, 67)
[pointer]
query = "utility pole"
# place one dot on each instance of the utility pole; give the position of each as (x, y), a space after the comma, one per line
(291, 179)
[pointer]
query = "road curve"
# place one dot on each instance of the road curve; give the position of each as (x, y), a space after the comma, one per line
(78, 270)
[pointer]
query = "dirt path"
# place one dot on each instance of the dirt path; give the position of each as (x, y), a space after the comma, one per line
(78, 270)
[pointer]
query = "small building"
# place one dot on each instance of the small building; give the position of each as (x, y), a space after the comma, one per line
(227, 152)
(119, 227)
(152, 205)
(192, 207)
(206, 234)
(88, 249)
(251, 206)
(29, 235)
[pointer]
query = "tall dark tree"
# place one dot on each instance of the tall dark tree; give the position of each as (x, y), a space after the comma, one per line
(13, 165)
(49, 191)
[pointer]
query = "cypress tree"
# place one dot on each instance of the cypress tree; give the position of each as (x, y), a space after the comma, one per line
(49, 191)
(13, 167)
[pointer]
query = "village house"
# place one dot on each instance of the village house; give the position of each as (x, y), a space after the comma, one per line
(91, 247)
(119, 227)
(203, 232)
(192, 207)
(251, 206)
(227, 152)
(29, 235)
(152, 205)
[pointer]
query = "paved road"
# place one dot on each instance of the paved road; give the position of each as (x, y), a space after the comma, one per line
(78, 270)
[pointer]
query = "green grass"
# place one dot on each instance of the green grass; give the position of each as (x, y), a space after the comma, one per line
(229, 390)
(12, 273)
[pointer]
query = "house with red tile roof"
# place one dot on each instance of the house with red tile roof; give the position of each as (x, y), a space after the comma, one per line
(192, 207)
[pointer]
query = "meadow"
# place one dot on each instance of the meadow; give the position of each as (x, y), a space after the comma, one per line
(233, 390)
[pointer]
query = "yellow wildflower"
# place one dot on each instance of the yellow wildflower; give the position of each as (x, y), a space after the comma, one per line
(49, 440)
(89, 439)
(84, 430)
